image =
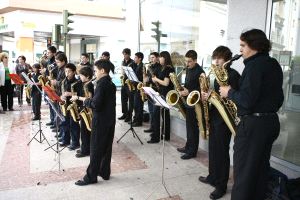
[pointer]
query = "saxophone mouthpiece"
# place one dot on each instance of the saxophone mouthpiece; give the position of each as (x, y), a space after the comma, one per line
(236, 57)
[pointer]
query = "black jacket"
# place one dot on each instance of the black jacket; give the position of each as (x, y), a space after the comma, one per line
(103, 104)
(192, 78)
(260, 86)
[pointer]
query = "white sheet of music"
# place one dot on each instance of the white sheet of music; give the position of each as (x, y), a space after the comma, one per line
(130, 74)
(156, 97)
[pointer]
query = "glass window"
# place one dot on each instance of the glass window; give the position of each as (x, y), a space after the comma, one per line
(191, 24)
(284, 35)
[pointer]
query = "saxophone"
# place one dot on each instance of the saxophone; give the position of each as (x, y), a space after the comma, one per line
(86, 113)
(122, 77)
(73, 108)
(226, 107)
(142, 92)
(63, 104)
(130, 85)
(173, 97)
(28, 87)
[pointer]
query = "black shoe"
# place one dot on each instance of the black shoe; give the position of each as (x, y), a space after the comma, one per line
(206, 180)
(73, 147)
(217, 194)
(122, 117)
(80, 155)
(4, 110)
(127, 119)
(181, 149)
(137, 124)
(104, 178)
(82, 182)
(61, 144)
(11, 109)
(187, 156)
(78, 151)
(36, 118)
(148, 130)
(49, 124)
(152, 141)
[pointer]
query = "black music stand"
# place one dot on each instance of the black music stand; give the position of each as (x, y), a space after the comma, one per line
(131, 76)
(159, 101)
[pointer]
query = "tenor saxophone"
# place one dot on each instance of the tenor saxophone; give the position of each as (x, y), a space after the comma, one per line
(173, 97)
(142, 92)
(130, 85)
(73, 108)
(86, 113)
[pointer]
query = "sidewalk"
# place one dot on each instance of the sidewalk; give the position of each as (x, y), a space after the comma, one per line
(29, 172)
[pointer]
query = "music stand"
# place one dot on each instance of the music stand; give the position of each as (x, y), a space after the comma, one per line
(159, 101)
(18, 81)
(131, 76)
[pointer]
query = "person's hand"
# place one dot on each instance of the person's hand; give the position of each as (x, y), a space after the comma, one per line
(154, 79)
(53, 82)
(67, 94)
(184, 92)
(74, 98)
(204, 96)
(224, 91)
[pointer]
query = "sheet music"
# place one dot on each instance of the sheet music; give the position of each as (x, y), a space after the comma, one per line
(130, 74)
(156, 97)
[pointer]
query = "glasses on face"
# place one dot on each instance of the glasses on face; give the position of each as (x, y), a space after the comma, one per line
(5, 57)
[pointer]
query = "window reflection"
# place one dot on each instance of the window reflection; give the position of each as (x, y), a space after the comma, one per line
(285, 31)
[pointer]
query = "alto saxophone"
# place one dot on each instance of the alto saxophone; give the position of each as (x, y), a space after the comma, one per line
(130, 85)
(86, 113)
(63, 104)
(142, 92)
(173, 97)
(28, 87)
(73, 108)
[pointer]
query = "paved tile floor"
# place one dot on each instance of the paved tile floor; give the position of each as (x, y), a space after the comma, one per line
(30, 172)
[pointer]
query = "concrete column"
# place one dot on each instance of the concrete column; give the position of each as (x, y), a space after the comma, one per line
(244, 15)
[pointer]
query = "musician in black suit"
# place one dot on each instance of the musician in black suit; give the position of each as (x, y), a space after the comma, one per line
(103, 125)
(258, 99)
(219, 133)
(35, 93)
(193, 72)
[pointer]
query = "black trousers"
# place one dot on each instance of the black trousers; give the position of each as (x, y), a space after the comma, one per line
(192, 131)
(70, 131)
(100, 154)
(36, 103)
(138, 107)
(85, 137)
(252, 149)
(7, 95)
(218, 145)
(151, 112)
(165, 121)
(124, 99)
(131, 103)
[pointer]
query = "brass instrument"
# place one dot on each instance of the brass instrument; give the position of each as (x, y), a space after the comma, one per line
(63, 104)
(130, 85)
(28, 88)
(73, 108)
(142, 92)
(122, 77)
(201, 107)
(226, 107)
(86, 113)
(173, 97)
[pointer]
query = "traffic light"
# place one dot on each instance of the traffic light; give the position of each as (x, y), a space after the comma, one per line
(158, 34)
(67, 21)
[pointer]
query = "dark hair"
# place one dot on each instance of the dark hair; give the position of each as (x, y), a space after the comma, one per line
(52, 49)
(104, 64)
(166, 55)
(87, 72)
(61, 57)
(222, 52)
(191, 54)
(154, 54)
(36, 65)
(106, 53)
(71, 66)
(126, 51)
(139, 55)
(23, 58)
(256, 40)
(85, 55)
(58, 52)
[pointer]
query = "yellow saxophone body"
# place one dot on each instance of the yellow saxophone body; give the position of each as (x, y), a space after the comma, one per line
(86, 113)
(63, 105)
(73, 108)
(130, 85)
(173, 97)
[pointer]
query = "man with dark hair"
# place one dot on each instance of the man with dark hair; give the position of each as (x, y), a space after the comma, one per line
(151, 72)
(219, 133)
(138, 68)
(85, 61)
(125, 93)
(103, 105)
(105, 55)
(193, 72)
(258, 99)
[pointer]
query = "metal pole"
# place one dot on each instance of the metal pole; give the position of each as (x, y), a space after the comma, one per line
(139, 26)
